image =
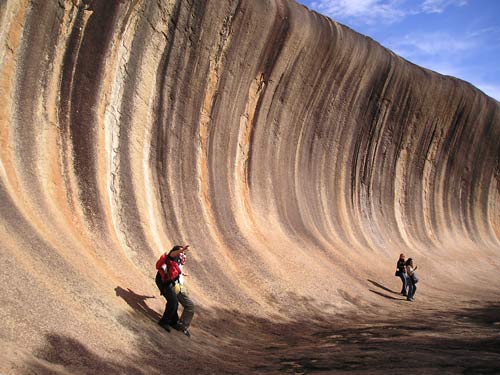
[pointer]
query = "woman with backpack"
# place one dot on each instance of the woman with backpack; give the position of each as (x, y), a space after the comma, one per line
(166, 277)
(401, 272)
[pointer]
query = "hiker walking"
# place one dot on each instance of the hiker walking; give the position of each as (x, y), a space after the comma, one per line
(412, 279)
(401, 272)
(166, 277)
(183, 298)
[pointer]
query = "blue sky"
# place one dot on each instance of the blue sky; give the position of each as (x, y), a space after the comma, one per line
(460, 38)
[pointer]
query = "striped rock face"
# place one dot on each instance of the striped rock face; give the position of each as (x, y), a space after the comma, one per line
(295, 156)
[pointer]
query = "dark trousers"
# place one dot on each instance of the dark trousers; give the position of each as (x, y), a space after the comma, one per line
(403, 278)
(167, 290)
(188, 312)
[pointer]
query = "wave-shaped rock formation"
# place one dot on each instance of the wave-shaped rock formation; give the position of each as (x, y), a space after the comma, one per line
(296, 157)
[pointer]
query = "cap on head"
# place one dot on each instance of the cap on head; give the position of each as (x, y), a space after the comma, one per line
(176, 247)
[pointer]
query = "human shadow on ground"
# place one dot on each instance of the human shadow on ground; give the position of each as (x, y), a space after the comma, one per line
(378, 285)
(227, 341)
(137, 302)
(386, 295)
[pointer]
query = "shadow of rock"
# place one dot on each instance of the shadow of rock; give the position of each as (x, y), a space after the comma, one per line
(425, 342)
(63, 354)
(226, 341)
(488, 316)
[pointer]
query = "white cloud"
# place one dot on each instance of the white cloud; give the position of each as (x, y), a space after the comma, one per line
(492, 34)
(447, 54)
(366, 11)
(431, 44)
(442, 52)
(380, 11)
(438, 6)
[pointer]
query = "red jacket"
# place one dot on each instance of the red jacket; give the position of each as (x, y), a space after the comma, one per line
(172, 271)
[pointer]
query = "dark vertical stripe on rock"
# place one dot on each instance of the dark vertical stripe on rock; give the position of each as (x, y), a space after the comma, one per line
(85, 97)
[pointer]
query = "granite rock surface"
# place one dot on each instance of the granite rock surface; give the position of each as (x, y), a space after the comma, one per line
(296, 157)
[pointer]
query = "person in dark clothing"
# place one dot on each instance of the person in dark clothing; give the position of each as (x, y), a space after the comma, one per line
(401, 272)
(167, 275)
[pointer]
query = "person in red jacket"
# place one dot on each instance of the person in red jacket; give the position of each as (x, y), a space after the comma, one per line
(166, 277)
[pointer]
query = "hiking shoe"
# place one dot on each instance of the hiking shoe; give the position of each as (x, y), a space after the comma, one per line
(177, 326)
(164, 326)
(410, 299)
(186, 332)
